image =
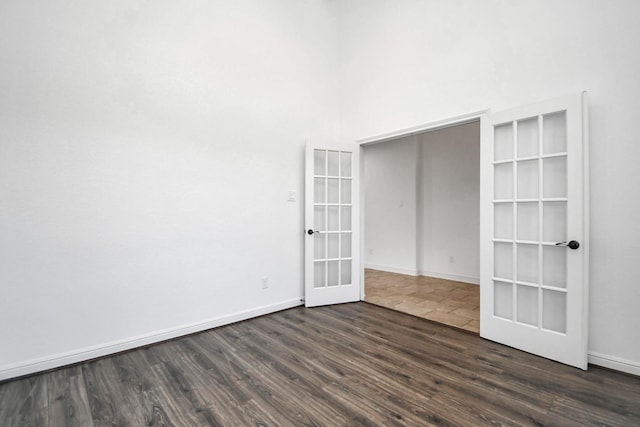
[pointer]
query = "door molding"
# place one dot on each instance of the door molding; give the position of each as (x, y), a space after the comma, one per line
(426, 127)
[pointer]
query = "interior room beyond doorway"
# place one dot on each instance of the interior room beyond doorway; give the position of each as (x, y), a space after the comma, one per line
(421, 224)
(440, 300)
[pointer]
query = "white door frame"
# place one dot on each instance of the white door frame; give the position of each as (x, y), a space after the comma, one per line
(402, 133)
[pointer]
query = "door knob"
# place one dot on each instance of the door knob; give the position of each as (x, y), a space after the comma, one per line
(571, 245)
(310, 232)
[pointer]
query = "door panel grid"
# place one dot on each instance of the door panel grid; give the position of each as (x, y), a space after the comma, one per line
(332, 192)
(530, 216)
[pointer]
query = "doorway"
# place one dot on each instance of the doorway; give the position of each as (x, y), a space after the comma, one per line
(421, 224)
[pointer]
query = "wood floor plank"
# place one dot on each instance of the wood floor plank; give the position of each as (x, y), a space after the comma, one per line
(36, 418)
(68, 401)
(351, 365)
(25, 401)
(113, 402)
(276, 381)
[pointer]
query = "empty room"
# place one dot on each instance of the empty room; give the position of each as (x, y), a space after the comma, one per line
(421, 225)
(183, 212)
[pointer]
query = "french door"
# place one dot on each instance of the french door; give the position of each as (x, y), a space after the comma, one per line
(534, 229)
(332, 227)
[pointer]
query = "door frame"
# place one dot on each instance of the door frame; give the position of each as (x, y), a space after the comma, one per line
(402, 133)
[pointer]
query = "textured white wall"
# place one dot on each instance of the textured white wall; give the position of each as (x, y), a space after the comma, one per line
(146, 154)
(422, 61)
(389, 178)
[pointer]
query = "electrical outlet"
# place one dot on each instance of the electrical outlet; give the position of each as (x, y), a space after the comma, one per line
(452, 260)
(265, 282)
(370, 251)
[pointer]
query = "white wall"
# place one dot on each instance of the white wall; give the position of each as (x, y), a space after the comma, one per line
(389, 174)
(451, 203)
(146, 154)
(406, 65)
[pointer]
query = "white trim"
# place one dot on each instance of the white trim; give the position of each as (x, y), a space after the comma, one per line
(360, 196)
(454, 277)
(613, 362)
(390, 269)
(88, 353)
(586, 190)
(435, 125)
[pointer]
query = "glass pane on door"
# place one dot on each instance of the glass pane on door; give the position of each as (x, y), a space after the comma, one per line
(503, 187)
(319, 190)
(554, 227)
(503, 300)
(345, 164)
(528, 221)
(333, 192)
(333, 247)
(555, 310)
(333, 163)
(345, 272)
(345, 245)
(554, 266)
(528, 305)
(528, 263)
(319, 246)
(528, 179)
(528, 137)
(503, 220)
(319, 162)
(554, 171)
(503, 260)
(503, 142)
(333, 273)
(319, 274)
(555, 133)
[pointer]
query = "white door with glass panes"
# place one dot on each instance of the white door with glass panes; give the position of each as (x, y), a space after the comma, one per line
(332, 266)
(534, 229)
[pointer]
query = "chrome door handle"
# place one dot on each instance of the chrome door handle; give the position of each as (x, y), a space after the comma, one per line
(571, 245)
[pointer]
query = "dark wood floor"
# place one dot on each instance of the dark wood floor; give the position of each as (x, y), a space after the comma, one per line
(353, 364)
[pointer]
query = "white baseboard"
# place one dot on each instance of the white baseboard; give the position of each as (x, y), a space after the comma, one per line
(88, 353)
(389, 269)
(410, 272)
(613, 362)
(454, 277)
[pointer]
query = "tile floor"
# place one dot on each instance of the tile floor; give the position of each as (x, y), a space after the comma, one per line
(445, 301)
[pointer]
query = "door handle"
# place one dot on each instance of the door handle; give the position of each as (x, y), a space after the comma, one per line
(571, 245)
(310, 232)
